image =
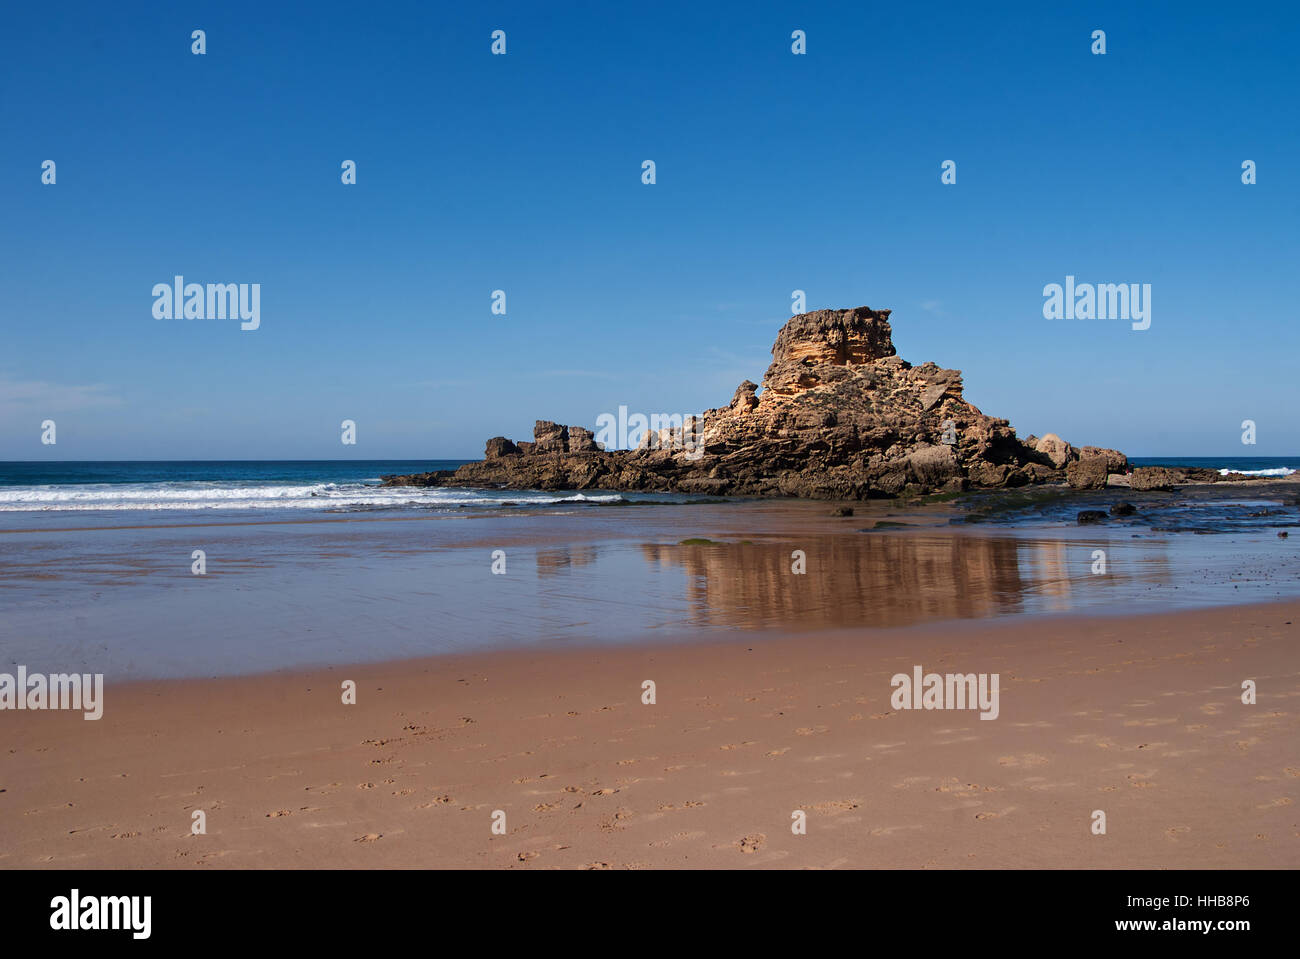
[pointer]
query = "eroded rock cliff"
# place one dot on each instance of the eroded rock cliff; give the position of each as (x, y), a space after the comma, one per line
(839, 415)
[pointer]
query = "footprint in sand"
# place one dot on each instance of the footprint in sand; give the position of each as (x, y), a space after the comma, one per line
(890, 830)
(750, 844)
(1173, 832)
(278, 813)
(1025, 759)
(369, 837)
(836, 805)
(811, 730)
(908, 781)
(986, 815)
(1275, 803)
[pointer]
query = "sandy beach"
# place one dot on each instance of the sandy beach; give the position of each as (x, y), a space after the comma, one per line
(1138, 717)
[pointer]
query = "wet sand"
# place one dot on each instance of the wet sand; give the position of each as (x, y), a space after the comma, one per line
(1138, 717)
(122, 599)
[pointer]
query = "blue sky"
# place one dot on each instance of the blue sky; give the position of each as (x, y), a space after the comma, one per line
(522, 172)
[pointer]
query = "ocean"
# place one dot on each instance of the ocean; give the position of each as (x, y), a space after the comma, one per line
(334, 485)
(1249, 465)
(244, 485)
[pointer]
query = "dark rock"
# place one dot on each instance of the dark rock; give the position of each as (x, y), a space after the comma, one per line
(435, 478)
(1091, 516)
(1122, 509)
(550, 437)
(1155, 478)
(1088, 472)
(1116, 462)
(582, 440)
(744, 398)
(846, 511)
(500, 446)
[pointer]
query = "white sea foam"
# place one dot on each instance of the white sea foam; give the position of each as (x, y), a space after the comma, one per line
(231, 495)
(1279, 471)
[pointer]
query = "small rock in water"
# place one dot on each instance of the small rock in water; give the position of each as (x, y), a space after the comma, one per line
(1282, 535)
(842, 511)
(1122, 509)
(1091, 516)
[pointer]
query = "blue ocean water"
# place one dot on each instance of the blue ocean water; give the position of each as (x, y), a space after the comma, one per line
(212, 471)
(262, 487)
(80, 488)
(1250, 465)
(334, 485)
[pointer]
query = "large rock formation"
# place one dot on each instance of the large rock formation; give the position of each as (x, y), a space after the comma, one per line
(839, 416)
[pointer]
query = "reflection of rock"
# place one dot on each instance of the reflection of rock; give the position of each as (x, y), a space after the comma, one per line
(552, 561)
(840, 416)
(865, 579)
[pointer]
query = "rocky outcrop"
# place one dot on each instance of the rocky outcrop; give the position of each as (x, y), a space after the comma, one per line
(839, 415)
(1055, 449)
(1088, 472)
(1156, 478)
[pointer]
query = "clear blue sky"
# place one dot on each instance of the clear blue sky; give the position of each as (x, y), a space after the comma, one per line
(523, 172)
